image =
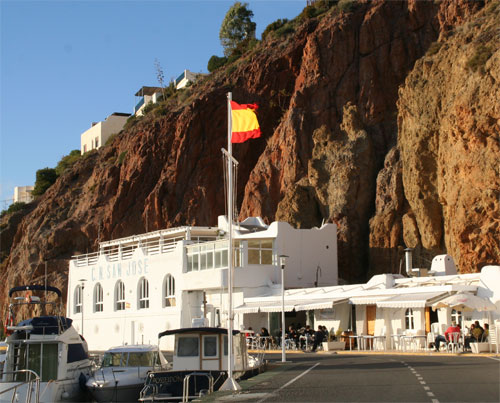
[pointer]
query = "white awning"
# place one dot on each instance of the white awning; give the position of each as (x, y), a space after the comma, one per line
(324, 303)
(368, 300)
(255, 307)
(417, 300)
(290, 305)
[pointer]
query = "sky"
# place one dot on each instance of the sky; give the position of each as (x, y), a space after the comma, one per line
(65, 64)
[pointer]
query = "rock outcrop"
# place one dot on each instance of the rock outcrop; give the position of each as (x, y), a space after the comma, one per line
(341, 142)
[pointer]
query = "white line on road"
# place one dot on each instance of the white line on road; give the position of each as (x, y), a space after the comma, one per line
(289, 383)
(493, 358)
(422, 382)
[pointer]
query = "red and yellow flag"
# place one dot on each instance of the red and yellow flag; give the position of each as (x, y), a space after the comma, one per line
(245, 124)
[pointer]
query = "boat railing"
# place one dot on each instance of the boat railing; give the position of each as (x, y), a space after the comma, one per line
(30, 383)
(187, 378)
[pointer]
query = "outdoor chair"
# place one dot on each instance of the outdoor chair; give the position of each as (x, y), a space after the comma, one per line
(493, 335)
(454, 342)
(380, 339)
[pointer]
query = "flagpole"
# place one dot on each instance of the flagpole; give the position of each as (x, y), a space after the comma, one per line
(230, 383)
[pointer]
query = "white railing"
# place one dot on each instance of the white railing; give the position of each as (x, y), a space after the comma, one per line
(116, 253)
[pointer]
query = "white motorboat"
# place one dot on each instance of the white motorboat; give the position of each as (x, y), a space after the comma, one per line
(199, 364)
(46, 360)
(123, 372)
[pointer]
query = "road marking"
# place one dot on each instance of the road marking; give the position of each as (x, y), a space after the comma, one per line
(493, 358)
(289, 383)
(422, 382)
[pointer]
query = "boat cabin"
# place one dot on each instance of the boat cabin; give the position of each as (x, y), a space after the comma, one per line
(205, 349)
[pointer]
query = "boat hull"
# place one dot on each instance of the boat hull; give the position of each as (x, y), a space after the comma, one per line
(50, 392)
(168, 385)
(124, 393)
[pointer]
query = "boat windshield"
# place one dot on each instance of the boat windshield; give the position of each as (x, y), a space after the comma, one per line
(132, 359)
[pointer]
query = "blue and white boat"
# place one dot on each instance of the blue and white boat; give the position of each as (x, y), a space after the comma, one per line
(46, 360)
(123, 372)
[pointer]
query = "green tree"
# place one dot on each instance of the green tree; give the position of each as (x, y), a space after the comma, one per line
(45, 178)
(236, 27)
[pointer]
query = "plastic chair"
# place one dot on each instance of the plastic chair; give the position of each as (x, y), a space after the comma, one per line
(454, 343)
(380, 339)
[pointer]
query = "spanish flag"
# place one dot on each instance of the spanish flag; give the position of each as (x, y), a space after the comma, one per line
(244, 122)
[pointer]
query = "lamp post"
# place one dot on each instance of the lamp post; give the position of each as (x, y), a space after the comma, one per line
(82, 285)
(282, 264)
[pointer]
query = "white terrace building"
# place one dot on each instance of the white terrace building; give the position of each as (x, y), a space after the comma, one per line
(100, 132)
(136, 287)
(386, 306)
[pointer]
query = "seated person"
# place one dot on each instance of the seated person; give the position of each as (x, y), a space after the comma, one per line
(308, 334)
(486, 332)
(440, 338)
(293, 335)
(469, 338)
(319, 337)
(478, 331)
(264, 334)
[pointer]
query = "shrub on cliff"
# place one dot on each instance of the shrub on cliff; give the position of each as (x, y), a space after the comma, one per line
(17, 206)
(215, 62)
(45, 178)
(479, 59)
(68, 161)
(273, 27)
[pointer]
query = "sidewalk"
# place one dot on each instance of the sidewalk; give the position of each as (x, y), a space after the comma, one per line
(379, 352)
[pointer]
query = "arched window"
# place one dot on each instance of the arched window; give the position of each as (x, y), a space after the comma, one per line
(120, 296)
(98, 298)
(143, 293)
(409, 319)
(78, 299)
(457, 317)
(169, 291)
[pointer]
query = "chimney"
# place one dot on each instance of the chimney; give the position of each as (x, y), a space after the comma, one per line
(408, 261)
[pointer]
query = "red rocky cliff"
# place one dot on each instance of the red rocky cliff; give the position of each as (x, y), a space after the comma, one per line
(337, 145)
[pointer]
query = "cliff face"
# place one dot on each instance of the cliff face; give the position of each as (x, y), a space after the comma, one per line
(449, 132)
(337, 145)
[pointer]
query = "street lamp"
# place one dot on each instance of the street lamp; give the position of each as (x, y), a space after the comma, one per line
(82, 285)
(282, 264)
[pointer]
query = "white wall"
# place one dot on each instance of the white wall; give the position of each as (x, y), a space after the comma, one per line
(308, 249)
(23, 194)
(101, 132)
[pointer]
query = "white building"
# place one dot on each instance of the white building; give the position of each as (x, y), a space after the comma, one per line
(387, 306)
(136, 287)
(100, 132)
(146, 95)
(185, 78)
(23, 194)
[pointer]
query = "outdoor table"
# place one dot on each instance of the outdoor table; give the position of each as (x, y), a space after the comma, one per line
(354, 336)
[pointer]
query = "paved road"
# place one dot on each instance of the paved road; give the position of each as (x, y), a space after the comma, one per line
(374, 378)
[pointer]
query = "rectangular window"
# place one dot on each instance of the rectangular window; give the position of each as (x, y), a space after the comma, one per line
(218, 259)
(210, 347)
(224, 258)
(260, 251)
(188, 347)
